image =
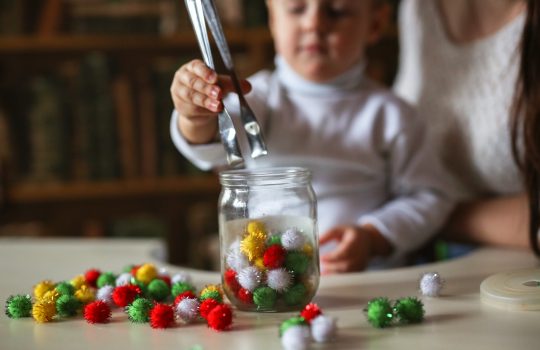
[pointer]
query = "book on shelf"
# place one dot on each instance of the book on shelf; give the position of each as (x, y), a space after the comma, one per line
(147, 124)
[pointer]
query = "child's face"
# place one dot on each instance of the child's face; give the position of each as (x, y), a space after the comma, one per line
(321, 39)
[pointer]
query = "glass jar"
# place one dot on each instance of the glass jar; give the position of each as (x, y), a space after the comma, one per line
(268, 238)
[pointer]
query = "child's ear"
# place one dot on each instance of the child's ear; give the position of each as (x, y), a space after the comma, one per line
(379, 23)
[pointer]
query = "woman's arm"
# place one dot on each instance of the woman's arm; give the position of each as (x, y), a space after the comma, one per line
(501, 221)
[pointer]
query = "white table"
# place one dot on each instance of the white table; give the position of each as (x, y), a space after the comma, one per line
(456, 320)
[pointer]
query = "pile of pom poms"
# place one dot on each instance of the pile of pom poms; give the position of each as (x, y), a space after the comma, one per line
(146, 294)
(380, 312)
(269, 269)
(298, 331)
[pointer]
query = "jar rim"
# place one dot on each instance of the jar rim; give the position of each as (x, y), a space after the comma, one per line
(265, 176)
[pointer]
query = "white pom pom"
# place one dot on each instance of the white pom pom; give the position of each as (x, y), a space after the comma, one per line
(431, 284)
(323, 328)
(187, 310)
(235, 258)
(296, 338)
(105, 294)
(293, 239)
(162, 271)
(183, 277)
(278, 279)
(250, 277)
(124, 279)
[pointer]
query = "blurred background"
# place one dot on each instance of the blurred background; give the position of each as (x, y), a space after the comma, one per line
(85, 108)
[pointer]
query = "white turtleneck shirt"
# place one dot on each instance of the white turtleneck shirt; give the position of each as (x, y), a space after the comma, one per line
(369, 157)
(464, 95)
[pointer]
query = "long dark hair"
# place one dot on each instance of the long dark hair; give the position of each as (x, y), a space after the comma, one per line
(526, 121)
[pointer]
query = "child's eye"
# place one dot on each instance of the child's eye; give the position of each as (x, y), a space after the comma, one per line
(336, 12)
(296, 9)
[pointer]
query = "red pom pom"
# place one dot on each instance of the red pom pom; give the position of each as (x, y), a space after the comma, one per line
(97, 312)
(220, 318)
(124, 295)
(161, 316)
(207, 306)
(274, 256)
(310, 312)
(91, 277)
(245, 296)
(134, 270)
(166, 279)
(230, 280)
(184, 295)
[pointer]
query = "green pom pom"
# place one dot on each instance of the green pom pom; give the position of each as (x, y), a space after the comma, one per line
(65, 288)
(67, 305)
(379, 312)
(295, 295)
(293, 321)
(181, 287)
(142, 286)
(264, 298)
(273, 240)
(297, 262)
(409, 310)
(158, 289)
(139, 310)
(211, 294)
(106, 279)
(18, 306)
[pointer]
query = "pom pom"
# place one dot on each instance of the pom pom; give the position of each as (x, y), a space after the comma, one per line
(293, 239)
(184, 295)
(264, 298)
(134, 269)
(51, 295)
(295, 295)
(105, 294)
(379, 312)
(44, 311)
(206, 306)
(139, 310)
(409, 310)
(259, 263)
(123, 279)
(291, 322)
(106, 279)
(187, 309)
(431, 284)
(308, 249)
(18, 306)
(91, 276)
(65, 288)
(97, 312)
(146, 273)
(278, 279)
(220, 317)
(229, 277)
(296, 262)
(41, 288)
(84, 294)
(161, 316)
(296, 338)
(256, 227)
(181, 287)
(166, 279)
(245, 296)
(125, 295)
(253, 245)
(273, 239)
(158, 289)
(235, 258)
(78, 281)
(323, 328)
(250, 277)
(310, 311)
(212, 291)
(67, 305)
(274, 257)
(181, 277)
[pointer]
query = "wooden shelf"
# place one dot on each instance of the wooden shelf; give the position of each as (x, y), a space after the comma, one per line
(15, 45)
(188, 185)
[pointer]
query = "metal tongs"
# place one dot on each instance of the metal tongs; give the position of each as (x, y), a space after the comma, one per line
(199, 10)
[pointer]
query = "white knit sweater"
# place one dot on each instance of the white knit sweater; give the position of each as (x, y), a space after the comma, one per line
(465, 94)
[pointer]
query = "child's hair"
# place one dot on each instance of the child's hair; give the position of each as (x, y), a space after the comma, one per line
(526, 119)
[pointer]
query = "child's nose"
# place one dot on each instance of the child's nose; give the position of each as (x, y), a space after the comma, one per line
(315, 20)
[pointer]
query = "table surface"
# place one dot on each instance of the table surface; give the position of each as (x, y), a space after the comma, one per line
(456, 319)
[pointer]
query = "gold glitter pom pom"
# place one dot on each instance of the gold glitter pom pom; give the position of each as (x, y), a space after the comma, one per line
(85, 294)
(78, 281)
(41, 288)
(253, 245)
(44, 311)
(146, 273)
(256, 227)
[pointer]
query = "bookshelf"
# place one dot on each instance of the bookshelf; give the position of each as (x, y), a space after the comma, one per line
(84, 104)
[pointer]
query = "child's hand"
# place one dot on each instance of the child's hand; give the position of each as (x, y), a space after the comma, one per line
(197, 92)
(356, 246)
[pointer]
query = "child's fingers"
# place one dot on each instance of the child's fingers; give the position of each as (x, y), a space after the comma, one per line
(226, 83)
(331, 235)
(342, 251)
(336, 267)
(200, 69)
